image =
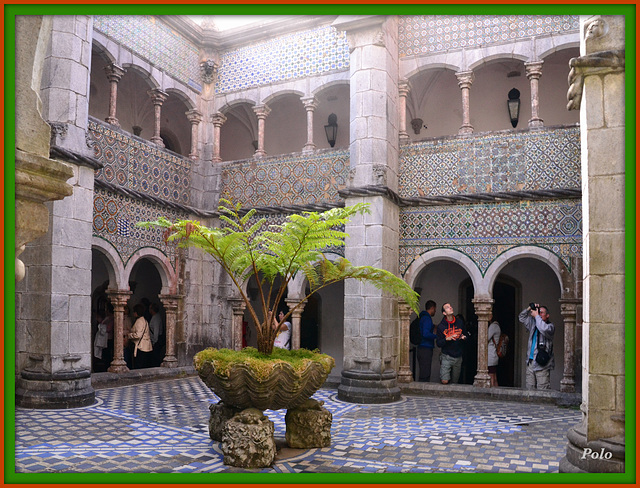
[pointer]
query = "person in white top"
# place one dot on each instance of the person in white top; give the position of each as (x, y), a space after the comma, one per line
(492, 358)
(283, 339)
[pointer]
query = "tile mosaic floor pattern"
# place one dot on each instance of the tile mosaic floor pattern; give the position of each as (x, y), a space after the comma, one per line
(163, 427)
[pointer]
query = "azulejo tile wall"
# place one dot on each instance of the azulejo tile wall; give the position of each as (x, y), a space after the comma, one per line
(422, 34)
(133, 164)
(287, 180)
(155, 41)
(530, 160)
(298, 55)
(484, 231)
(115, 217)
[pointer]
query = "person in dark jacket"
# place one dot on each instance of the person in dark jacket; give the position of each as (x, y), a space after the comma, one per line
(450, 335)
(425, 348)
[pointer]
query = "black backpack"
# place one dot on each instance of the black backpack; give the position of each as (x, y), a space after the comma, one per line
(415, 336)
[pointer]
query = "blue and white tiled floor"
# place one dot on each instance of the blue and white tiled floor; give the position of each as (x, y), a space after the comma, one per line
(163, 427)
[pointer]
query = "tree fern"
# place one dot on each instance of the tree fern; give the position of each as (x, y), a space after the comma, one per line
(244, 248)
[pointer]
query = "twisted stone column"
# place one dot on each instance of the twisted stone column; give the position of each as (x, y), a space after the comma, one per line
(296, 317)
(217, 120)
(310, 104)
(170, 304)
(403, 92)
(195, 118)
(404, 370)
(568, 309)
(114, 74)
(483, 308)
(157, 97)
(261, 111)
(534, 72)
(238, 306)
(118, 299)
(465, 80)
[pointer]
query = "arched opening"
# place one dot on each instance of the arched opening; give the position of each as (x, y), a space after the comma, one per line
(239, 134)
(100, 310)
(175, 129)
(286, 126)
(441, 281)
(553, 89)
(145, 284)
(99, 87)
(333, 99)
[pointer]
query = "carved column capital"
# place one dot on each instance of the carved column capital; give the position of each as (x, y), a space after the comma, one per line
(533, 69)
(114, 72)
(465, 79)
(157, 96)
(194, 116)
(310, 104)
(169, 301)
(218, 119)
(118, 298)
(261, 111)
(403, 88)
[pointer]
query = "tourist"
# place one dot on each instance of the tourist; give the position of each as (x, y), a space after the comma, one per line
(539, 347)
(283, 339)
(450, 337)
(142, 347)
(492, 351)
(425, 348)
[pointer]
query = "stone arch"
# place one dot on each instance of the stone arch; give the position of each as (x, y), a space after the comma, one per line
(330, 84)
(431, 67)
(186, 98)
(560, 46)
(161, 261)
(507, 55)
(274, 96)
(147, 76)
(103, 51)
(116, 270)
(520, 252)
(479, 283)
(235, 103)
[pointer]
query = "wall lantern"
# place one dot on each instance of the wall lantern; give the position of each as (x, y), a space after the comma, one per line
(513, 104)
(332, 129)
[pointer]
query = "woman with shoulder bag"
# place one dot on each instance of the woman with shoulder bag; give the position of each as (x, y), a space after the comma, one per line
(142, 347)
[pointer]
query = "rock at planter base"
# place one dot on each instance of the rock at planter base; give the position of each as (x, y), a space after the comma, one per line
(308, 425)
(247, 440)
(220, 415)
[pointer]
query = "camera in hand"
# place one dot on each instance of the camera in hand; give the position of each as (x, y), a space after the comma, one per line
(533, 306)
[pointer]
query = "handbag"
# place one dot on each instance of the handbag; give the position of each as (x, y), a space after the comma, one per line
(543, 356)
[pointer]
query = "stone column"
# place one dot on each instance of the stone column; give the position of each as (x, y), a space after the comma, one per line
(568, 308)
(217, 120)
(170, 304)
(465, 80)
(534, 72)
(238, 306)
(404, 370)
(261, 111)
(370, 360)
(597, 88)
(114, 74)
(195, 118)
(310, 104)
(157, 97)
(118, 299)
(403, 92)
(483, 308)
(295, 322)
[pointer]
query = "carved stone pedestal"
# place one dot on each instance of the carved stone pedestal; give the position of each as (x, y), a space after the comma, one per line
(369, 387)
(247, 440)
(220, 415)
(308, 425)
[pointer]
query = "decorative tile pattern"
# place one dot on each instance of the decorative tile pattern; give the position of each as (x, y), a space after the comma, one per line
(152, 39)
(287, 180)
(484, 231)
(297, 55)
(163, 427)
(115, 217)
(133, 164)
(531, 160)
(422, 34)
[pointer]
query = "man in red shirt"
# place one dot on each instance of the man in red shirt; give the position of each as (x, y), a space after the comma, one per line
(449, 337)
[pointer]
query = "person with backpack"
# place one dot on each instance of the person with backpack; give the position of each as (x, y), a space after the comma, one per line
(492, 356)
(540, 360)
(425, 347)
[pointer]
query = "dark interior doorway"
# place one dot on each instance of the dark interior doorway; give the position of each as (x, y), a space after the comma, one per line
(309, 322)
(504, 311)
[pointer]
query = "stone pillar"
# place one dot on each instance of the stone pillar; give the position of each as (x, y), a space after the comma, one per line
(118, 299)
(157, 97)
(403, 92)
(114, 74)
(597, 88)
(483, 307)
(370, 315)
(195, 118)
(261, 111)
(310, 104)
(465, 80)
(170, 304)
(238, 306)
(217, 120)
(53, 302)
(404, 371)
(568, 308)
(296, 316)
(534, 72)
